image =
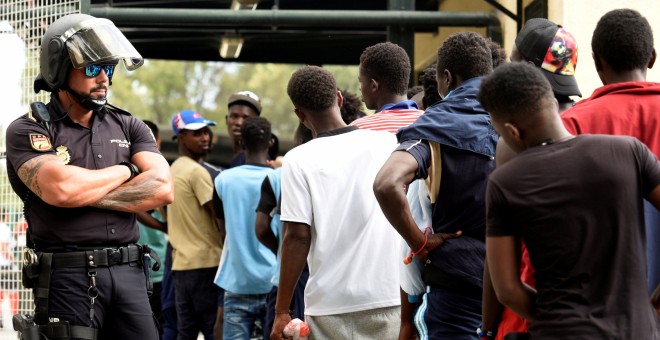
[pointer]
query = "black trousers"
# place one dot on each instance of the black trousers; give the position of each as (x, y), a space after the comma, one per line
(121, 310)
(196, 298)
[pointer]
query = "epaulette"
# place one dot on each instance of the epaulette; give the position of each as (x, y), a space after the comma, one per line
(117, 109)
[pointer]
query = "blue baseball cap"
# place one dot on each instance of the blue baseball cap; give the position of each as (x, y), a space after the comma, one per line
(189, 120)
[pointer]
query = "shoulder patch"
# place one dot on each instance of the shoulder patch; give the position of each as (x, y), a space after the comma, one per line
(40, 142)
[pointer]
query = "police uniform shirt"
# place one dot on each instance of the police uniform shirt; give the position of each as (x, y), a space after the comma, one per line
(114, 137)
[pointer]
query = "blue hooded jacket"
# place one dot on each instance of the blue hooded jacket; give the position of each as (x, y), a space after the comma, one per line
(467, 138)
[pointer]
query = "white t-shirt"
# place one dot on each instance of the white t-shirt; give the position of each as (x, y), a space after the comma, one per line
(353, 259)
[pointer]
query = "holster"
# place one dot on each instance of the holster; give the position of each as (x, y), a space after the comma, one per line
(31, 269)
(149, 254)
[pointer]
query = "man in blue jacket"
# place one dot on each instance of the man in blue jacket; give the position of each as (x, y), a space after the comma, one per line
(452, 146)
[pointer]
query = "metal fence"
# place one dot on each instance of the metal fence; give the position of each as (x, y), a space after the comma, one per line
(22, 23)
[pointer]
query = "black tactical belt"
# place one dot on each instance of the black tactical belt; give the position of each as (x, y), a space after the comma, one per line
(105, 257)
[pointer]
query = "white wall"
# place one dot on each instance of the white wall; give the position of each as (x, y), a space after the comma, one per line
(580, 18)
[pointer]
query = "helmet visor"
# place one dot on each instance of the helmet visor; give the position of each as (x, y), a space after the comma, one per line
(99, 41)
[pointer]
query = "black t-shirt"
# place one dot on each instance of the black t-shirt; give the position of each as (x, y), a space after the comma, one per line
(578, 207)
(268, 201)
(114, 137)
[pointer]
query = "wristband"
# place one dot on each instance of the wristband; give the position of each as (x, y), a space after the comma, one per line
(289, 312)
(134, 170)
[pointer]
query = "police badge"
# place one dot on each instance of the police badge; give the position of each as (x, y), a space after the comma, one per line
(63, 153)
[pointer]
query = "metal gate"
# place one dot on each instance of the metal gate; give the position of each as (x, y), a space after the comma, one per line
(22, 23)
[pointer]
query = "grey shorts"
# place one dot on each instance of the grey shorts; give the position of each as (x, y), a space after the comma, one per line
(380, 323)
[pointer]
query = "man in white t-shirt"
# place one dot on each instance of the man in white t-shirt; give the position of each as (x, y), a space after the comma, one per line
(333, 222)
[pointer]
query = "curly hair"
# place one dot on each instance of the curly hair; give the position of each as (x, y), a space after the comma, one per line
(497, 53)
(414, 90)
(389, 65)
(514, 91)
(255, 134)
(624, 39)
(351, 108)
(465, 54)
(302, 135)
(313, 88)
(430, 84)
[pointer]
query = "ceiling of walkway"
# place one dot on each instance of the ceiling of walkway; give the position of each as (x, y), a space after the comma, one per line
(305, 41)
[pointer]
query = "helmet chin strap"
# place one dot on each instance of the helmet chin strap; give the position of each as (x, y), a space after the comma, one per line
(94, 104)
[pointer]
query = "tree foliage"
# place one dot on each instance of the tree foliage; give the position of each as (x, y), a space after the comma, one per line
(161, 88)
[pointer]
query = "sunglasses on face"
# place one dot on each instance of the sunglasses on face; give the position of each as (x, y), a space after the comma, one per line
(94, 70)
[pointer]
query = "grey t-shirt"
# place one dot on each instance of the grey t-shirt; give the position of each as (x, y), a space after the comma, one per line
(578, 206)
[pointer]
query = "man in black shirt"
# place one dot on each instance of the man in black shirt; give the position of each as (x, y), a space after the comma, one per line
(577, 204)
(83, 169)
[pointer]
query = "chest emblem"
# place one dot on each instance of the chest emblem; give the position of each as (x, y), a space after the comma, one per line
(63, 153)
(40, 142)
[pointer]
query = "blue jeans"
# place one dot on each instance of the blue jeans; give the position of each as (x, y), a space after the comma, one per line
(652, 217)
(241, 313)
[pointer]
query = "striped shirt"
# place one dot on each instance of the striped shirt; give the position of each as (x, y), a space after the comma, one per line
(390, 120)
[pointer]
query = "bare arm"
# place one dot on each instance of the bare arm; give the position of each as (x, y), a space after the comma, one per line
(264, 233)
(655, 299)
(152, 188)
(219, 222)
(491, 310)
(398, 171)
(654, 197)
(407, 330)
(149, 221)
(70, 186)
(295, 248)
(504, 266)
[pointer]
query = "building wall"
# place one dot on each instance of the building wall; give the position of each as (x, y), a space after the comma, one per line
(578, 17)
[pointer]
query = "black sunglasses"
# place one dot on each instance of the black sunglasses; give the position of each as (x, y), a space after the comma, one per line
(94, 70)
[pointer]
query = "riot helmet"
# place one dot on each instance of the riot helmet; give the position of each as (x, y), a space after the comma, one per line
(78, 40)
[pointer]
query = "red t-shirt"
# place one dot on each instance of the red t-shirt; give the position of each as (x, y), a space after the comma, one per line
(627, 108)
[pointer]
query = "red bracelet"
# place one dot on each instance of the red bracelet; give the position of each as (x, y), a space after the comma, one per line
(409, 258)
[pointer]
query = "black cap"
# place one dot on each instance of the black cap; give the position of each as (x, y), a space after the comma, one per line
(553, 49)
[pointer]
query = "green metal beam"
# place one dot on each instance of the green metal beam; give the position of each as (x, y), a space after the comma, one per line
(291, 18)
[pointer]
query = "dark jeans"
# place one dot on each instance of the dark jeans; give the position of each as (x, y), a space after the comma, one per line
(652, 218)
(448, 314)
(121, 310)
(169, 327)
(196, 302)
(168, 303)
(156, 307)
(297, 302)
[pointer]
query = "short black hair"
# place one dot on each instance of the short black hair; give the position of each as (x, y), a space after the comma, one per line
(274, 149)
(430, 85)
(313, 88)
(389, 65)
(497, 53)
(303, 134)
(255, 134)
(465, 54)
(153, 127)
(351, 107)
(624, 39)
(414, 90)
(514, 91)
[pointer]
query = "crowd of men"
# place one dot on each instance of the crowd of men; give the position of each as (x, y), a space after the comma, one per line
(486, 204)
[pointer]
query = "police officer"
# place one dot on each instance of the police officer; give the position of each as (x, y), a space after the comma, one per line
(83, 169)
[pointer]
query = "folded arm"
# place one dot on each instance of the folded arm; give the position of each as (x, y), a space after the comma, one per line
(150, 189)
(69, 186)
